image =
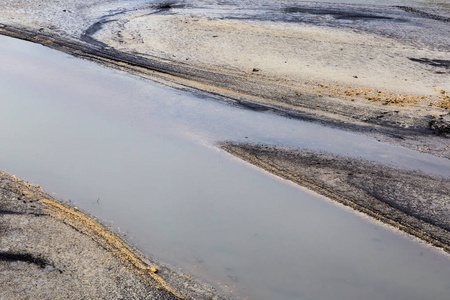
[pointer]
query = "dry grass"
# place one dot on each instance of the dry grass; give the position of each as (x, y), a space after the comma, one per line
(374, 95)
(444, 101)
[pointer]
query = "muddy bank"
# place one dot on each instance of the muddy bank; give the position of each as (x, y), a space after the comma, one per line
(363, 68)
(52, 250)
(420, 128)
(411, 201)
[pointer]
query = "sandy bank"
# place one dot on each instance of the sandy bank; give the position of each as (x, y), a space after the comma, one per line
(50, 250)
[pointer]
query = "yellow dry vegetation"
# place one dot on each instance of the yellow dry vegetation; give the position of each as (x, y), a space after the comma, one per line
(369, 94)
(444, 101)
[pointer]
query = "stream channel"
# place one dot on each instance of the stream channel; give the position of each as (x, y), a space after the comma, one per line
(143, 158)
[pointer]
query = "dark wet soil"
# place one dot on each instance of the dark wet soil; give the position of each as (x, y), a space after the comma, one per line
(87, 35)
(253, 92)
(408, 128)
(424, 14)
(337, 13)
(420, 27)
(45, 255)
(412, 201)
(23, 257)
(440, 63)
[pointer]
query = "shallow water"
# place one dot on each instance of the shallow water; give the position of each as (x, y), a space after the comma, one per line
(143, 156)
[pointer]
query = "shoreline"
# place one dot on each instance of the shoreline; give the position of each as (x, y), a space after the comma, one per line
(384, 115)
(403, 126)
(63, 243)
(407, 127)
(348, 182)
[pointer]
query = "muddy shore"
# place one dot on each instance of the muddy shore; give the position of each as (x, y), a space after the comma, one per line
(404, 103)
(412, 201)
(52, 250)
(379, 71)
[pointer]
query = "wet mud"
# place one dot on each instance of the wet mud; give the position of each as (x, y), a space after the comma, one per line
(439, 63)
(248, 91)
(342, 14)
(24, 257)
(50, 249)
(411, 201)
(424, 14)
(349, 109)
(87, 35)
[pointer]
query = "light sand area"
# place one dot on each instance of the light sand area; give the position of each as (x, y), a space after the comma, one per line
(225, 39)
(305, 55)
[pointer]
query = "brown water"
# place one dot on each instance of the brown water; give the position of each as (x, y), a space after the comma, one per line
(142, 157)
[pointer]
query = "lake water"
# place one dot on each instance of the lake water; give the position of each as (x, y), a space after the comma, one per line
(143, 158)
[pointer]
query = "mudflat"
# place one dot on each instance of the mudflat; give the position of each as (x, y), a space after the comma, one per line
(378, 70)
(381, 71)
